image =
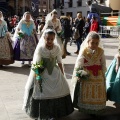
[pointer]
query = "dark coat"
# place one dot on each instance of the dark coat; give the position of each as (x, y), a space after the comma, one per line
(79, 24)
(66, 27)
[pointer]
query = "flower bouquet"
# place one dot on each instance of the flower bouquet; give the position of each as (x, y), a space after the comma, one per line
(21, 34)
(38, 68)
(82, 74)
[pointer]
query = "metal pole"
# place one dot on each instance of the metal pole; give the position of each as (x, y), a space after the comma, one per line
(16, 7)
(23, 6)
(48, 6)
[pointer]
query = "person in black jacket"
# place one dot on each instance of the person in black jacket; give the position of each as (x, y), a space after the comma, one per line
(79, 24)
(66, 27)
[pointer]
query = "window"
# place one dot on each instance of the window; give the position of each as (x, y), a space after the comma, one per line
(70, 3)
(101, 1)
(63, 2)
(88, 12)
(44, 3)
(79, 3)
(69, 13)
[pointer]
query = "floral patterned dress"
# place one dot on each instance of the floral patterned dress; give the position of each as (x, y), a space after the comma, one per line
(6, 50)
(24, 47)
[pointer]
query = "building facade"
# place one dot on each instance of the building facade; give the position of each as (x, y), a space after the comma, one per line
(45, 6)
(18, 7)
(74, 6)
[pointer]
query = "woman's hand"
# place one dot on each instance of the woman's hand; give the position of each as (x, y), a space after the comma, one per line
(117, 62)
(116, 68)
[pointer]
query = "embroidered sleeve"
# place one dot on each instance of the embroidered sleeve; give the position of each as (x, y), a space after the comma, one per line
(79, 61)
(60, 27)
(5, 27)
(59, 57)
(103, 63)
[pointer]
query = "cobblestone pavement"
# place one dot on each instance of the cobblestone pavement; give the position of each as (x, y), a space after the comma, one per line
(13, 79)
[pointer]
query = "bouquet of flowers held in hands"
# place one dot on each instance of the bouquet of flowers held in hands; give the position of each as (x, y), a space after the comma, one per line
(21, 34)
(82, 74)
(38, 68)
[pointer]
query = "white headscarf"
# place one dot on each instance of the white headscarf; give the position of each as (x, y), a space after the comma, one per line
(2, 18)
(23, 19)
(49, 16)
(84, 45)
(42, 40)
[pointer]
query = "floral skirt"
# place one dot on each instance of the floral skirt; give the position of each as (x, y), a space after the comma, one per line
(49, 108)
(24, 48)
(6, 51)
(91, 107)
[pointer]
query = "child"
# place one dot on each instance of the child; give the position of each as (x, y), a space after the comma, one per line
(90, 94)
(113, 80)
(94, 25)
(54, 101)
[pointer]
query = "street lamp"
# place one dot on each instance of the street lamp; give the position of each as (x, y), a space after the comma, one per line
(61, 8)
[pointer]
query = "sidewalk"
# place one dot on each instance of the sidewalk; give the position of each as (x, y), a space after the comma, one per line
(13, 79)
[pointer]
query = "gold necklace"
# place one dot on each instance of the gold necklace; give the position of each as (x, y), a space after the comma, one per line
(27, 23)
(50, 55)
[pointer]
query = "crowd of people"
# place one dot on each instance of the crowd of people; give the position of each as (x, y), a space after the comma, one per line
(51, 98)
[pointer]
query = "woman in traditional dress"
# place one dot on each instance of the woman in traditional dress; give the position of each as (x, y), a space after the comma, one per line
(53, 22)
(6, 51)
(25, 39)
(54, 101)
(90, 94)
(113, 80)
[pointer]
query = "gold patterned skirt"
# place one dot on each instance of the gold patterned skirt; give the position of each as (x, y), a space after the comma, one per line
(90, 95)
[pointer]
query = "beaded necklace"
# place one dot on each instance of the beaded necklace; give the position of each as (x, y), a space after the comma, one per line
(93, 54)
(28, 23)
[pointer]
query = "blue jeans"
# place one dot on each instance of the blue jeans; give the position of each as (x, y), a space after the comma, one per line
(78, 42)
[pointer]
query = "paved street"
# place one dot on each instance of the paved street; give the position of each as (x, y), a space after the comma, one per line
(13, 79)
